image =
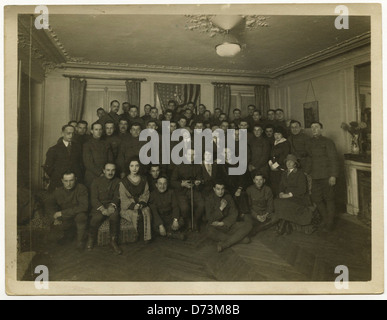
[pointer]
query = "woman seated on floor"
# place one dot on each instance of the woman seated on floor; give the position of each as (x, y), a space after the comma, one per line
(293, 207)
(134, 195)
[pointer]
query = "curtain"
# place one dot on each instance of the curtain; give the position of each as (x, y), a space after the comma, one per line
(181, 93)
(77, 98)
(133, 89)
(262, 99)
(222, 97)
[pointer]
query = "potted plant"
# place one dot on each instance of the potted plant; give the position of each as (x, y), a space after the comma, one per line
(355, 129)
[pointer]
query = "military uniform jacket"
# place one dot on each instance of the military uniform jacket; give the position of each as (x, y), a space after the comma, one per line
(96, 153)
(260, 200)
(69, 202)
(104, 192)
(260, 152)
(163, 204)
(186, 172)
(129, 148)
(213, 213)
(322, 161)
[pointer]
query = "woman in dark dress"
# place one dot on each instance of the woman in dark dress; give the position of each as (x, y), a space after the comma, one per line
(134, 195)
(293, 204)
(279, 152)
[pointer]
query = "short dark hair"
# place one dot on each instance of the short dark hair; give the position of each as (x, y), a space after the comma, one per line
(319, 123)
(146, 105)
(279, 109)
(237, 110)
(109, 122)
(111, 103)
(225, 121)
(257, 173)
(169, 111)
(207, 111)
(132, 106)
(162, 176)
(153, 165)
(183, 117)
(154, 108)
(267, 112)
(134, 159)
(71, 121)
(135, 124)
(218, 109)
(67, 126)
(259, 125)
(95, 123)
(151, 121)
(251, 105)
(126, 102)
(100, 108)
(219, 182)
(173, 121)
(259, 111)
(223, 114)
(295, 121)
(83, 122)
(172, 101)
(123, 119)
(269, 126)
(68, 172)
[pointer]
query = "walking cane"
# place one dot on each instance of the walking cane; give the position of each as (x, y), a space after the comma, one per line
(192, 207)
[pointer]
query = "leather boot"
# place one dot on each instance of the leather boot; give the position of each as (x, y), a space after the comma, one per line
(113, 243)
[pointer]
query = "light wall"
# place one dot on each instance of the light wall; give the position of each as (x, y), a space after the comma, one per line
(334, 89)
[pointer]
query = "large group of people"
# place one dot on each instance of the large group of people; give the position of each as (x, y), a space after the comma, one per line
(289, 181)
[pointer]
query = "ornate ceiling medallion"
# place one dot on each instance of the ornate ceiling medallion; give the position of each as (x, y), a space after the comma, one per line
(206, 24)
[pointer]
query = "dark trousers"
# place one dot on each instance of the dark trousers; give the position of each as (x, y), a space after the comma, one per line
(229, 237)
(80, 220)
(97, 218)
(323, 195)
(184, 200)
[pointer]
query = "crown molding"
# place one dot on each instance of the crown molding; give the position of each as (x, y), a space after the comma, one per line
(36, 42)
(343, 47)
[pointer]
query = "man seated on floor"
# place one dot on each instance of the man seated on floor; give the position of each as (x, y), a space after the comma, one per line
(165, 210)
(260, 200)
(222, 213)
(105, 202)
(68, 205)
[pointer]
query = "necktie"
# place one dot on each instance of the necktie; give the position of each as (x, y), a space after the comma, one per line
(69, 148)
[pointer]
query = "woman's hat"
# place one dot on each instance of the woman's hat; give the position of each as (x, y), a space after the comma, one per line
(280, 130)
(291, 157)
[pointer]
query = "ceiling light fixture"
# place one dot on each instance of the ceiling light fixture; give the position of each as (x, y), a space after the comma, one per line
(229, 48)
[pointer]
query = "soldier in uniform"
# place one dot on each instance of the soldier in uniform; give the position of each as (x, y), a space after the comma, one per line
(112, 139)
(96, 153)
(323, 166)
(68, 205)
(298, 141)
(113, 114)
(105, 205)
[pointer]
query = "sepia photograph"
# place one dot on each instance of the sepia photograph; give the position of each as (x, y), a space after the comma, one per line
(194, 149)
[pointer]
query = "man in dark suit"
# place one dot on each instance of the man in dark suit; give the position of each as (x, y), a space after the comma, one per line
(209, 172)
(323, 166)
(81, 135)
(184, 178)
(96, 153)
(65, 155)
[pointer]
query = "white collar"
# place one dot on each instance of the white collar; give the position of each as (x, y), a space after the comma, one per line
(280, 141)
(66, 143)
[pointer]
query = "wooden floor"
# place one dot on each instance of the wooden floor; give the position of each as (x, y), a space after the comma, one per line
(295, 257)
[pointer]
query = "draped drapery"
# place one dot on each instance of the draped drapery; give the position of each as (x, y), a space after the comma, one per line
(133, 89)
(181, 93)
(77, 98)
(262, 99)
(222, 97)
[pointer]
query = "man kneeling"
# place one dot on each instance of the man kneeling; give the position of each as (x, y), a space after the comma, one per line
(221, 215)
(165, 210)
(105, 201)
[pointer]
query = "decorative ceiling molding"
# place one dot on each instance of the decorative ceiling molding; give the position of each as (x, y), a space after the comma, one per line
(41, 49)
(204, 24)
(348, 45)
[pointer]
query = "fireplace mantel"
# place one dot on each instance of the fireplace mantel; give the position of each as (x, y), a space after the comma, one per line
(353, 164)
